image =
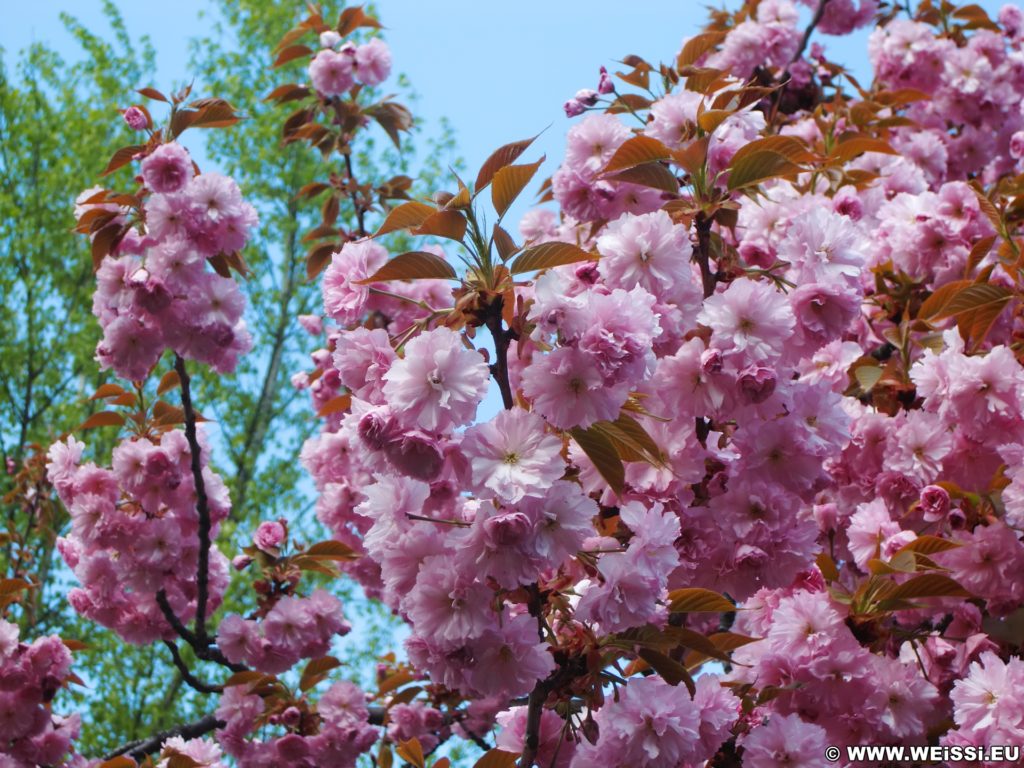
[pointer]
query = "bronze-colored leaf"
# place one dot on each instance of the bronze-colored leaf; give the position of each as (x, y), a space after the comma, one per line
(336, 404)
(102, 419)
(153, 93)
(318, 258)
(168, 381)
(849, 148)
(405, 216)
(353, 18)
(509, 182)
(450, 224)
(504, 243)
(317, 670)
(759, 167)
(108, 390)
(927, 585)
(671, 671)
(291, 53)
(121, 158)
(498, 159)
(655, 175)
(929, 545)
(934, 306)
(497, 758)
(411, 752)
(601, 452)
(637, 151)
(697, 600)
(331, 550)
(414, 265)
(548, 255)
(393, 118)
(696, 47)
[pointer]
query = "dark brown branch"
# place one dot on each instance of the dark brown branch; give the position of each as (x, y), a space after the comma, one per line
(140, 748)
(186, 674)
(502, 338)
(809, 31)
(703, 253)
(202, 503)
(354, 194)
(534, 709)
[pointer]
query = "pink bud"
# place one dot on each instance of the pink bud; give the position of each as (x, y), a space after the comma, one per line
(241, 562)
(269, 535)
(135, 118)
(757, 383)
(604, 83)
(934, 503)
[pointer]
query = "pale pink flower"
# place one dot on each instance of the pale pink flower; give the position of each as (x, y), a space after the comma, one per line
(512, 455)
(438, 384)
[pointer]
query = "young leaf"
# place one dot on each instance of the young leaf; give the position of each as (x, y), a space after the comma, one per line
(336, 404)
(122, 157)
(637, 151)
(654, 175)
(317, 670)
(548, 255)
(103, 419)
(405, 216)
(290, 53)
(449, 224)
(508, 183)
(411, 752)
(413, 265)
(671, 671)
(697, 600)
(331, 550)
(497, 758)
(927, 585)
(501, 157)
(602, 453)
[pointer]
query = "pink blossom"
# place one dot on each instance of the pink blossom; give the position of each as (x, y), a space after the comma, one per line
(167, 169)
(512, 455)
(438, 384)
(270, 535)
(332, 71)
(784, 740)
(372, 64)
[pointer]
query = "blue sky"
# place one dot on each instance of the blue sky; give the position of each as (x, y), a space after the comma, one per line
(499, 71)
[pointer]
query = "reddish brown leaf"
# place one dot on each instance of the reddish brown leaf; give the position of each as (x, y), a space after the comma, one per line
(413, 265)
(121, 158)
(637, 151)
(102, 419)
(549, 255)
(498, 159)
(290, 53)
(509, 182)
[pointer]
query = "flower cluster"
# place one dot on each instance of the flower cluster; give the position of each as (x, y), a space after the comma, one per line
(134, 532)
(155, 292)
(338, 66)
(30, 675)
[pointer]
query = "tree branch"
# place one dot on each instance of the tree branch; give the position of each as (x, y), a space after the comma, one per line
(194, 682)
(809, 31)
(202, 503)
(140, 748)
(703, 253)
(502, 338)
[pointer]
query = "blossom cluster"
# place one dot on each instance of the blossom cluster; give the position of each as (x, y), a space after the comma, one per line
(134, 532)
(340, 65)
(30, 675)
(155, 292)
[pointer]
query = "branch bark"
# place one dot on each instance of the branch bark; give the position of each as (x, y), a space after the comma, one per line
(502, 338)
(140, 748)
(202, 503)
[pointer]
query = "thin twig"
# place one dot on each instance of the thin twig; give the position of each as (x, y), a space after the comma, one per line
(809, 31)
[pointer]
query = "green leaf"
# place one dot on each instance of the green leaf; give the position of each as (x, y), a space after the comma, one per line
(600, 450)
(548, 255)
(414, 265)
